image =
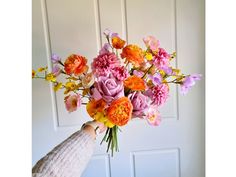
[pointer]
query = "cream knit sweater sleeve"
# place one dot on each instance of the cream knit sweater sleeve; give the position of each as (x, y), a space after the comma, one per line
(68, 159)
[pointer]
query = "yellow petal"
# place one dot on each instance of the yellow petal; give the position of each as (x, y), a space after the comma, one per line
(162, 73)
(177, 71)
(102, 118)
(148, 56)
(41, 69)
(99, 116)
(50, 77)
(109, 124)
(57, 87)
(66, 91)
(85, 92)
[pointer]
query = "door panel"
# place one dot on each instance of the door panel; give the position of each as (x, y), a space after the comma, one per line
(173, 149)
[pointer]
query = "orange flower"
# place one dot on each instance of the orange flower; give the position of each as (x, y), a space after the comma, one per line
(135, 83)
(120, 111)
(117, 42)
(75, 64)
(133, 54)
(95, 106)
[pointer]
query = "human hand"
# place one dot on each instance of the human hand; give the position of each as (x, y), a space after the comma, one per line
(94, 127)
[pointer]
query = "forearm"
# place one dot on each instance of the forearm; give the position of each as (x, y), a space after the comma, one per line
(68, 158)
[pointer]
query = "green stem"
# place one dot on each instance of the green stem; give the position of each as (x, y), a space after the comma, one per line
(38, 77)
(105, 136)
(60, 63)
(127, 64)
(171, 82)
(110, 139)
(108, 40)
(113, 141)
(117, 53)
(147, 71)
(116, 142)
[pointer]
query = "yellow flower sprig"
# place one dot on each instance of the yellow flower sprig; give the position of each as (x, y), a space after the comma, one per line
(69, 86)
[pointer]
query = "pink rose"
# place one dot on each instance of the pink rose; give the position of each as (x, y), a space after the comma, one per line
(72, 102)
(139, 102)
(108, 88)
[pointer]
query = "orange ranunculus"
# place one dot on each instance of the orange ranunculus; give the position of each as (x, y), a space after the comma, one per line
(135, 83)
(117, 42)
(120, 111)
(75, 64)
(95, 106)
(133, 54)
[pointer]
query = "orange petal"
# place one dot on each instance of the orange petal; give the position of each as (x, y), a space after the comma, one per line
(120, 111)
(135, 83)
(117, 42)
(95, 106)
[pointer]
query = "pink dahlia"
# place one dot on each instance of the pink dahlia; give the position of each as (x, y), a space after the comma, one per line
(158, 94)
(120, 73)
(102, 65)
(161, 60)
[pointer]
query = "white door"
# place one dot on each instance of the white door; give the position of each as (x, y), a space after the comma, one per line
(176, 147)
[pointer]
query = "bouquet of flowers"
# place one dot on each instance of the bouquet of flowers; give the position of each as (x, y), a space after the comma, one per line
(125, 82)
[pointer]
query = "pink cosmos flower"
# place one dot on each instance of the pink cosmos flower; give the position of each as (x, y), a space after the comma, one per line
(72, 102)
(153, 116)
(139, 102)
(120, 73)
(102, 65)
(188, 82)
(56, 70)
(161, 60)
(158, 94)
(105, 49)
(151, 42)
